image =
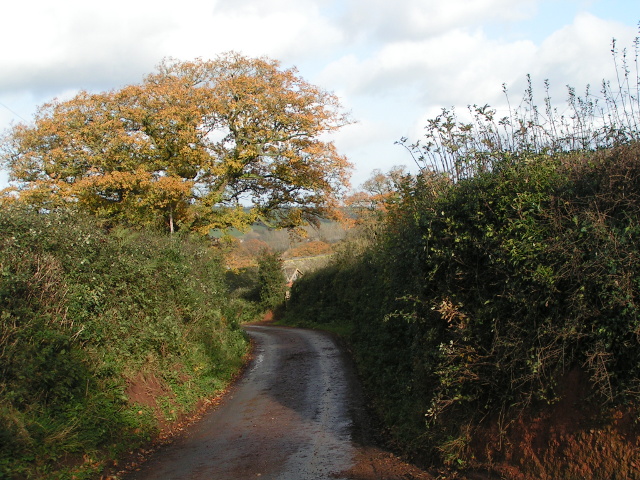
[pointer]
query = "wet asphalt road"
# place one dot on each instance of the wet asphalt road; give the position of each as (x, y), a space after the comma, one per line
(292, 416)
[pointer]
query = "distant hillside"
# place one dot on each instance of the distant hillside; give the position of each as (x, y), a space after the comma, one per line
(318, 242)
(282, 240)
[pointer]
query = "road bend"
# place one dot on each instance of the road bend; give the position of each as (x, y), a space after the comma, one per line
(292, 416)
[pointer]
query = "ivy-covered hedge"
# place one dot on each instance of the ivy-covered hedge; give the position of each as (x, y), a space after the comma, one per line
(83, 314)
(481, 294)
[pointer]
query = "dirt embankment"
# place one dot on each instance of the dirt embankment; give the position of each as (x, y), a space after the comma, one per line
(568, 440)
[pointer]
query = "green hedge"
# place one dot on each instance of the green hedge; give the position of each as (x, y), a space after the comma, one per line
(83, 313)
(481, 294)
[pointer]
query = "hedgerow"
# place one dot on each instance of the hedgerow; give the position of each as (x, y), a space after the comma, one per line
(497, 274)
(84, 312)
(479, 299)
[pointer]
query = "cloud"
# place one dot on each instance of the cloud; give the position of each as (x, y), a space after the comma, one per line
(457, 67)
(418, 19)
(95, 46)
(74, 43)
(465, 66)
(581, 52)
(283, 29)
(363, 142)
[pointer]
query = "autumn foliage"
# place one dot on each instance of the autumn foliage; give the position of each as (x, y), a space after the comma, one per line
(310, 249)
(187, 148)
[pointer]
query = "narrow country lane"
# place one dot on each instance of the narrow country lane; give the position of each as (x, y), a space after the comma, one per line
(296, 414)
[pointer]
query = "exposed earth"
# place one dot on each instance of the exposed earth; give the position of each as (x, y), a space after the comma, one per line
(297, 413)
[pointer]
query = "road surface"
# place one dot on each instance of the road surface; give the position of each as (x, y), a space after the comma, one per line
(297, 413)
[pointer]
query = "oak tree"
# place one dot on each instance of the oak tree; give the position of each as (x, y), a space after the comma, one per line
(198, 144)
(378, 193)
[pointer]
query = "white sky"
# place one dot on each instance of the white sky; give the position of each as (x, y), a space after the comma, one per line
(393, 63)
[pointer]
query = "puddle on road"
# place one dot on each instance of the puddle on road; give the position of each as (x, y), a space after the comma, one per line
(259, 359)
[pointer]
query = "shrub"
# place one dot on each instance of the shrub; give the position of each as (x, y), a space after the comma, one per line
(83, 313)
(271, 280)
(476, 301)
(508, 262)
